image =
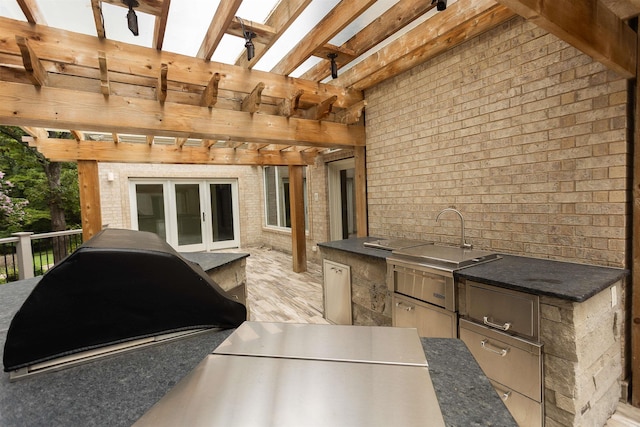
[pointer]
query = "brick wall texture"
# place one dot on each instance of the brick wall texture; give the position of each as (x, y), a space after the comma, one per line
(522, 133)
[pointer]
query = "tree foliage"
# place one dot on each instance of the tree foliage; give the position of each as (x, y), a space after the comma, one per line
(51, 188)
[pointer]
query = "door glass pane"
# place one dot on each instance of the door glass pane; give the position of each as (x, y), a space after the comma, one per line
(188, 214)
(150, 205)
(221, 212)
(270, 197)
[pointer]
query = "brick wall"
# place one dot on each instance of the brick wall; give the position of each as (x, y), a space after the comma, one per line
(116, 208)
(522, 133)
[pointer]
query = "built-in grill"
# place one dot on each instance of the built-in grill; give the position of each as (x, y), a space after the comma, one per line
(423, 285)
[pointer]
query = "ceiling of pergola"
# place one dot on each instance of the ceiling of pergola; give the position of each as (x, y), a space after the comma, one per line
(183, 91)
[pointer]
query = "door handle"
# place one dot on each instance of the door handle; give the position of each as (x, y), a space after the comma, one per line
(202, 216)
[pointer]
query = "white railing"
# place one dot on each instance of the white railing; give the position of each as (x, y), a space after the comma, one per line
(18, 253)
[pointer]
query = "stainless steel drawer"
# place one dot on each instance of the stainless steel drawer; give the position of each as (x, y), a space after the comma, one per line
(509, 360)
(527, 412)
(429, 320)
(432, 287)
(503, 309)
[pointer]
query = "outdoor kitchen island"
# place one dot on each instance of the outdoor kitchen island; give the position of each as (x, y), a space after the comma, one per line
(576, 320)
(116, 391)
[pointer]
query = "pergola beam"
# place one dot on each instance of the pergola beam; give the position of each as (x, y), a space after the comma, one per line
(25, 105)
(221, 20)
(65, 150)
(588, 25)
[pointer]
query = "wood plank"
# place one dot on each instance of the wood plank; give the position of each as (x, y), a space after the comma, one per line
(24, 105)
(98, 18)
(360, 183)
(105, 87)
(334, 22)
(90, 210)
(160, 25)
(210, 93)
(68, 49)
(461, 21)
(281, 18)
(625, 9)
(251, 102)
(397, 17)
(32, 12)
(221, 19)
(152, 7)
(161, 90)
(64, 150)
(32, 63)
(587, 25)
(298, 236)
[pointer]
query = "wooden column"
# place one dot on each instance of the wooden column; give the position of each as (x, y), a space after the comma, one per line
(89, 198)
(360, 182)
(635, 251)
(296, 201)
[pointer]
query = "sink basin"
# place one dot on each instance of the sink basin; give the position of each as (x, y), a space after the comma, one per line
(451, 256)
(394, 244)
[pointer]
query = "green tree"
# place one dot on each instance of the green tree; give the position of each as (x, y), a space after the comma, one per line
(51, 188)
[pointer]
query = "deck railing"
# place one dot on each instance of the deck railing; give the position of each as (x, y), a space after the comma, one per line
(26, 255)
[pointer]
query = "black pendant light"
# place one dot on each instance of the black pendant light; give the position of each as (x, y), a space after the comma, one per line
(248, 35)
(132, 19)
(334, 65)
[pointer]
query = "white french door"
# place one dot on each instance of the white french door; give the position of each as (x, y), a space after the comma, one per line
(192, 215)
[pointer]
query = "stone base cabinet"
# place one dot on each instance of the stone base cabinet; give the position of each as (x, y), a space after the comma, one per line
(567, 368)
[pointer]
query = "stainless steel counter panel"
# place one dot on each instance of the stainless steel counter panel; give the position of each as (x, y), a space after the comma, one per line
(263, 391)
(365, 344)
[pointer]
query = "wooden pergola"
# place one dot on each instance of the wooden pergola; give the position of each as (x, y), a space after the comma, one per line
(232, 114)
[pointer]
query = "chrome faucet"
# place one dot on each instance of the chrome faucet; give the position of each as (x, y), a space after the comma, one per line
(463, 244)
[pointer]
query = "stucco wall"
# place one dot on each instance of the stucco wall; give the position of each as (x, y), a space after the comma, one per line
(522, 133)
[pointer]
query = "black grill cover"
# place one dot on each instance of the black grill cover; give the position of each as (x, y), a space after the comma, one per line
(118, 286)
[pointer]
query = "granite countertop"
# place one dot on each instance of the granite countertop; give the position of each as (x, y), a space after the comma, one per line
(116, 391)
(356, 246)
(564, 280)
(212, 260)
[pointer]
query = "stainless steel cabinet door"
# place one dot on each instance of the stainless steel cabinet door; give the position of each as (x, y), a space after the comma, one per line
(429, 320)
(337, 292)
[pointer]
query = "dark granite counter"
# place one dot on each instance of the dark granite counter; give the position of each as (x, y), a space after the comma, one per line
(565, 280)
(212, 260)
(356, 246)
(116, 391)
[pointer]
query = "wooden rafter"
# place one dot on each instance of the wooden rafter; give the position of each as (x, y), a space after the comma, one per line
(162, 83)
(426, 41)
(588, 25)
(150, 140)
(280, 19)
(116, 138)
(251, 103)
(32, 64)
(98, 18)
(32, 12)
(290, 106)
(397, 17)
(221, 20)
(320, 111)
(161, 25)
(352, 114)
(76, 53)
(181, 141)
(206, 143)
(335, 21)
(77, 135)
(210, 93)
(38, 133)
(105, 88)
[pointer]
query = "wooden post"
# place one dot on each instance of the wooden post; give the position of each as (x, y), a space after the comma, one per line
(635, 252)
(298, 241)
(89, 198)
(360, 182)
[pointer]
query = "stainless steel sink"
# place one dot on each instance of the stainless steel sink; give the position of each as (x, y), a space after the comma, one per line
(449, 256)
(395, 244)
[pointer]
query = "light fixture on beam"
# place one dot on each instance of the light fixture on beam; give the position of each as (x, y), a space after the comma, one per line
(334, 65)
(248, 35)
(440, 4)
(132, 19)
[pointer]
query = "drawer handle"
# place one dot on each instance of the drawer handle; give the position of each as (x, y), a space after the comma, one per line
(336, 270)
(504, 395)
(504, 327)
(403, 306)
(493, 349)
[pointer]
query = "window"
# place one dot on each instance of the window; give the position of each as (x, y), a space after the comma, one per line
(276, 196)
